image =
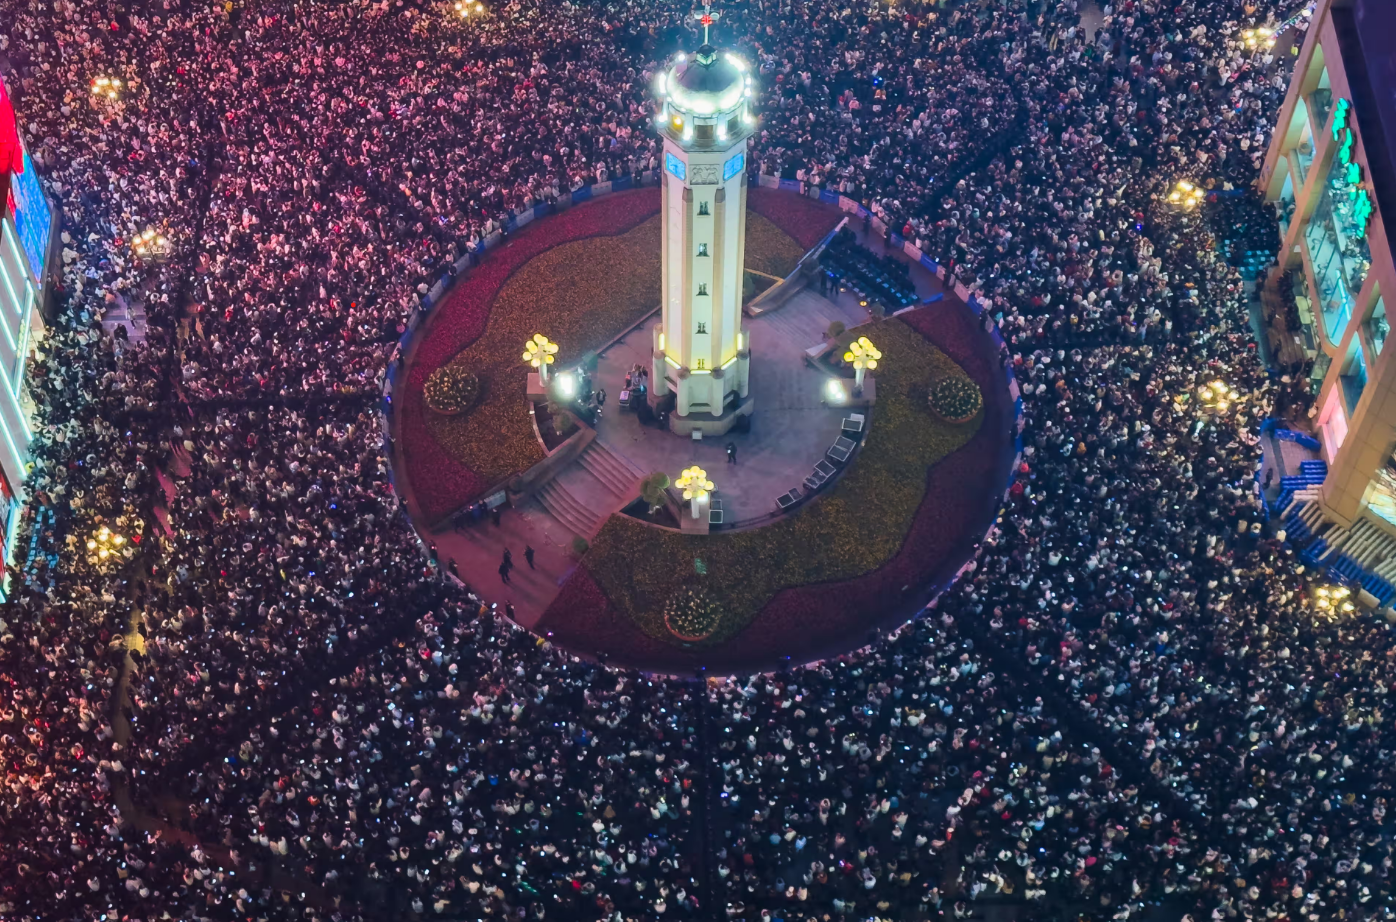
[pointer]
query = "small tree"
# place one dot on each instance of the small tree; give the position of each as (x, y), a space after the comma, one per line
(562, 420)
(580, 546)
(836, 329)
(652, 490)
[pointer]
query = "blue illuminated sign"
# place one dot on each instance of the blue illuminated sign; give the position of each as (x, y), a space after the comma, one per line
(675, 166)
(33, 219)
(733, 167)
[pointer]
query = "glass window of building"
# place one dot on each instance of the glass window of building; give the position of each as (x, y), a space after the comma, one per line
(1377, 327)
(1304, 152)
(1286, 209)
(1381, 492)
(1338, 252)
(1354, 378)
(1321, 100)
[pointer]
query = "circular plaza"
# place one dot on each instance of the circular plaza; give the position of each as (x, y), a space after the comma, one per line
(836, 506)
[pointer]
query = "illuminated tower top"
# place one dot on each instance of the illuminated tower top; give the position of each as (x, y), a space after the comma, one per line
(706, 97)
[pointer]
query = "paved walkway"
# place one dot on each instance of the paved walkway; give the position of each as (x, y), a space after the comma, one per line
(791, 425)
(478, 549)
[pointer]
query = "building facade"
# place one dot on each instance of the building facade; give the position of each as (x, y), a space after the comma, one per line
(28, 223)
(1331, 175)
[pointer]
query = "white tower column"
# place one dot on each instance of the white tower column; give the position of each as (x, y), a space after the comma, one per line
(700, 347)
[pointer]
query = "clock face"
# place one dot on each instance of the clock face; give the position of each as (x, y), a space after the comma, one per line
(705, 175)
(676, 167)
(733, 166)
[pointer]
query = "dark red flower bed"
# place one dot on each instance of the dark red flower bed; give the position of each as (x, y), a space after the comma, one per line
(820, 620)
(803, 218)
(438, 483)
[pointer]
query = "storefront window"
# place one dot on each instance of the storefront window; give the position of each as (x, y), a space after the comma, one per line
(1338, 252)
(1304, 154)
(1285, 205)
(1354, 379)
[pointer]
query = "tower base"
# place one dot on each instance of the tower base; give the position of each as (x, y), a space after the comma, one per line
(709, 424)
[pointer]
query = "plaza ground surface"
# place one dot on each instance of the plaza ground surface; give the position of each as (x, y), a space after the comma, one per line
(791, 428)
(887, 571)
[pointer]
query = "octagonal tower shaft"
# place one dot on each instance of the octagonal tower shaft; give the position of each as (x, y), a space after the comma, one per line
(701, 352)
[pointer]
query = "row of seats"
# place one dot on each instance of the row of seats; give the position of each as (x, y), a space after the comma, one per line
(1363, 556)
(1311, 474)
(882, 280)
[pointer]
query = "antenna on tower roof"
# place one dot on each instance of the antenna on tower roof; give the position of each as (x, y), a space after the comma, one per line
(706, 17)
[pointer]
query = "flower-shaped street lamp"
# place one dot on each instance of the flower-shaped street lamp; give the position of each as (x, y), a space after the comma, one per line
(151, 244)
(863, 356)
(465, 9)
(696, 486)
(1258, 38)
(108, 88)
(1333, 600)
(1185, 195)
(539, 353)
(103, 545)
(1217, 396)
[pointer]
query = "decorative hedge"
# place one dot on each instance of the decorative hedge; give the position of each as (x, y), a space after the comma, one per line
(692, 613)
(854, 528)
(580, 277)
(451, 390)
(956, 399)
(825, 617)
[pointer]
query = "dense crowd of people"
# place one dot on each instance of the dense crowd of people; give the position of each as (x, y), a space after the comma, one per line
(1130, 700)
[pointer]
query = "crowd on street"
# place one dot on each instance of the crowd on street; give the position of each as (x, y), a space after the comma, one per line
(270, 701)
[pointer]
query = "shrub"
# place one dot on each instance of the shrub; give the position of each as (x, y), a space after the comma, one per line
(692, 613)
(652, 489)
(580, 546)
(451, 390)
(836, 329)
(563, 423)
(956, 399)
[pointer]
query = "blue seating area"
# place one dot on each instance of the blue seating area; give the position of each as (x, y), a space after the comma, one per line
(1317, 548)
(1311, 474)
(44, 519)
(881, 279)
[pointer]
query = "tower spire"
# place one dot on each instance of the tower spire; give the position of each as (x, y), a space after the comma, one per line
(706, 17)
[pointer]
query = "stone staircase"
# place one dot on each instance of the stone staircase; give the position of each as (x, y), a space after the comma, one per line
(615, 471)
(586, 493)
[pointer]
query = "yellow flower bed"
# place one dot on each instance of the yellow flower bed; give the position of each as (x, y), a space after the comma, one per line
(852, 529)
(768, 248)
(581, 295)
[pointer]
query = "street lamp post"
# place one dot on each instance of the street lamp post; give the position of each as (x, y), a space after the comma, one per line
(150, 243)
(696, 486)
(1217, 396)
(863, 356)
(1185, 195)
(103, 544)
(1334, 600)
(108, 88)
(1258, 38)
(539, 353)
